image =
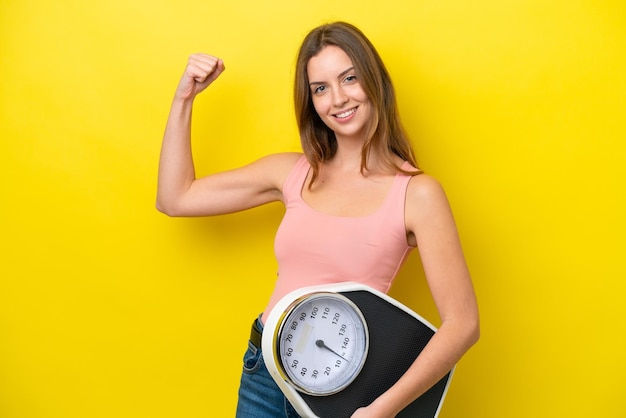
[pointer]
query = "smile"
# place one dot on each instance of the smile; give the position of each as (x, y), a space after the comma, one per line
(345, 114)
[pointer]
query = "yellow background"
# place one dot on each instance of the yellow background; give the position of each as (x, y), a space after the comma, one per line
(110, 309)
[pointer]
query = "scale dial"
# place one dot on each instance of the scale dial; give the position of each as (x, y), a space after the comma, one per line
(322, 343)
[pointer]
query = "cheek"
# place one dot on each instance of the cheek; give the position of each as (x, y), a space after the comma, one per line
(319, 106)
(361, 96)
(365, 102)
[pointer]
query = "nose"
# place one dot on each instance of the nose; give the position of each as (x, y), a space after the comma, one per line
(339, 96)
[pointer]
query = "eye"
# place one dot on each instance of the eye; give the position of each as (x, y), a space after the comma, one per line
(319, 89)
(350, 79)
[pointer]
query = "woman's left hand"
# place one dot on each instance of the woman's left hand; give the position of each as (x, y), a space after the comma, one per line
(361, 412)
(370, 412)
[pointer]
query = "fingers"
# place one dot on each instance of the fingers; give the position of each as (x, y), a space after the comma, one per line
(201, 70)
(202, 67)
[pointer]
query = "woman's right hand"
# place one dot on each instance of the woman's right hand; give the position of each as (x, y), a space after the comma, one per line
(201, 70)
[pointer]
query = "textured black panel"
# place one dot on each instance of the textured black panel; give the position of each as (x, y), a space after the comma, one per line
(396, 338)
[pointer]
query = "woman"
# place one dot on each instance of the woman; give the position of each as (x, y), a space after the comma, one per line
(355, 204)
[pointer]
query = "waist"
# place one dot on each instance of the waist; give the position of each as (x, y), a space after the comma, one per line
(256, 332)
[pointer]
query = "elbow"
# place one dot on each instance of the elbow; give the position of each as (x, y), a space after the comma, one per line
(467, 329)
(472, 329)
(470, 320)
(475, 334)
(166, 209)
(176, 208)
(163, 209)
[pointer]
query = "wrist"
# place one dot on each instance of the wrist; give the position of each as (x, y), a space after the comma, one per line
(181, 105)
(184, 99)
(384, 407)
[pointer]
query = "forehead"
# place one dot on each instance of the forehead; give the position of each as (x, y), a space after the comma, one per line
(328, 63)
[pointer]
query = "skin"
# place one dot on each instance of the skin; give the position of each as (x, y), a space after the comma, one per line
(341, 190)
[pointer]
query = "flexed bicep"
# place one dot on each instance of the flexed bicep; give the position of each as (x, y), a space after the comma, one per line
(230, 191)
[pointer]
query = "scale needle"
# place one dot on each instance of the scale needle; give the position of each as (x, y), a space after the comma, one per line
(321, 344)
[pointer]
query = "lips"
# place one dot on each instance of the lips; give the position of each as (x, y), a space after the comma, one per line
(345, 114)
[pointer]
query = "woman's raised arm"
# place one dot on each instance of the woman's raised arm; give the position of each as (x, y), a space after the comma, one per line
(179, 192)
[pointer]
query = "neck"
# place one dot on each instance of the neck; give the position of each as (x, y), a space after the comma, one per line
(348, 160)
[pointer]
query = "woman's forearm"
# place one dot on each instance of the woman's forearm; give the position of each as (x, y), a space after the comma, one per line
(444, 350)
(176, 167)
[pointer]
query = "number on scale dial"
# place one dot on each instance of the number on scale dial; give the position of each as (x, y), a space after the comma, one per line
(322, 343)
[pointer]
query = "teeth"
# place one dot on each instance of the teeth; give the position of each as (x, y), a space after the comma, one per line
(345, 114)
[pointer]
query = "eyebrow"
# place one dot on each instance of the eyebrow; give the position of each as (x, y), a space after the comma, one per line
(341, 74)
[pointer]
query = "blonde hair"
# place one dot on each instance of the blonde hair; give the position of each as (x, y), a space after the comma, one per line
(386, 136)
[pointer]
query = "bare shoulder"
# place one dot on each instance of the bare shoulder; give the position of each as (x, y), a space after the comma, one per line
(423, 189)
(278, 165)
(426, 202)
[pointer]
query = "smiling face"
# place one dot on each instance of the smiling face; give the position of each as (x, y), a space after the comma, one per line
(337, 95)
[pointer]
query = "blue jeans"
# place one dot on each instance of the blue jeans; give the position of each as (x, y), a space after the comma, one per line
(259, 396)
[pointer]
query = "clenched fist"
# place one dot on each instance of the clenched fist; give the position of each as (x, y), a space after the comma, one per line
(201, 70)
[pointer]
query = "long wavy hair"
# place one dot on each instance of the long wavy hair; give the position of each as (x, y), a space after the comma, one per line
(385, 134)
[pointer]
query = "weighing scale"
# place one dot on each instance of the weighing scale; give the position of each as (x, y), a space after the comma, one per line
(335, 348)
